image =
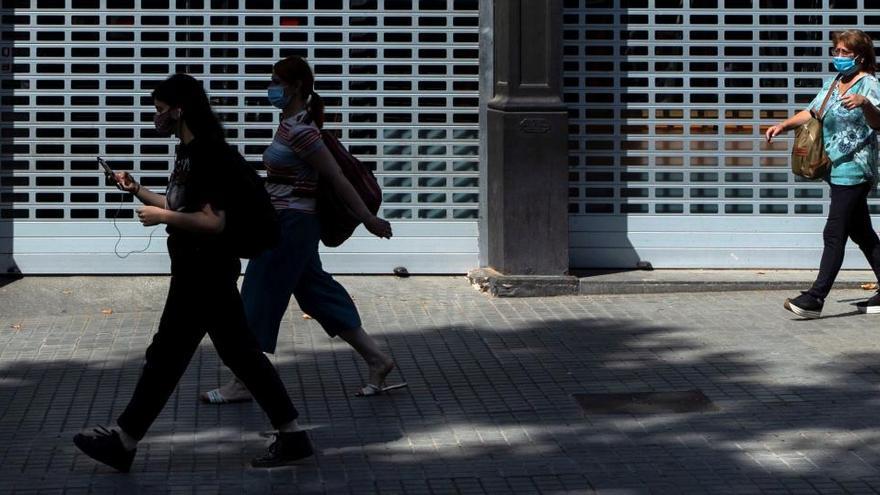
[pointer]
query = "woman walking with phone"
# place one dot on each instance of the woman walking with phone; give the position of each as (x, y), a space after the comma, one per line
(295, 161)
(850, 120)
(203, 295)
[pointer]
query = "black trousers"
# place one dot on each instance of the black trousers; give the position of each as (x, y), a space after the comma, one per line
(848, 216)
(203, 297)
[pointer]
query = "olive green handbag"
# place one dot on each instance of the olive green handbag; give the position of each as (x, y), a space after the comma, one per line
(808, 157)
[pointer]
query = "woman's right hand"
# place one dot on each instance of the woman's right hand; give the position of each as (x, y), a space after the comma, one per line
(773, 131)
(126, 182)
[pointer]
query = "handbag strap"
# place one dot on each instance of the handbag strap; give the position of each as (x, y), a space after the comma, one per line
(831, 88)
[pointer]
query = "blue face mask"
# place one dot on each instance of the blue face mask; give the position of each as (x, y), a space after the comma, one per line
(277, 97)
(845, 65)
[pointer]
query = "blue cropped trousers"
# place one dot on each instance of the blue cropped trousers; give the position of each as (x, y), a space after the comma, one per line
(293, 267)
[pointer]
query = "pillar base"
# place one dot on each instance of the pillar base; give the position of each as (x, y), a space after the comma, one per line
(498, 284)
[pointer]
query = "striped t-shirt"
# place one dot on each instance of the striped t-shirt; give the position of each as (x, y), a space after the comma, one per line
(285, 157)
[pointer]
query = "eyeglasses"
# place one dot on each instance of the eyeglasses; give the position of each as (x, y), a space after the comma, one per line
(841, 52)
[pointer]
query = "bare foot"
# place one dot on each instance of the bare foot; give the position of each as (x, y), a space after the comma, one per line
(233, 391)
(379, 370)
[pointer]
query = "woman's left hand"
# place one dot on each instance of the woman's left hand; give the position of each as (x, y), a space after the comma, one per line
(151, 215)
(852, 101)
(379, 227)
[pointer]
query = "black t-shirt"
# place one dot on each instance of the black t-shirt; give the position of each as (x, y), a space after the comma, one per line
(201, 176)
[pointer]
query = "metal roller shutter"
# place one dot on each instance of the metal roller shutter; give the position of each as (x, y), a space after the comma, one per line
(399, 76)
(668, 101)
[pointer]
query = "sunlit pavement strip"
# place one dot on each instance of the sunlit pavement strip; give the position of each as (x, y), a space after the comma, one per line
(489, 408)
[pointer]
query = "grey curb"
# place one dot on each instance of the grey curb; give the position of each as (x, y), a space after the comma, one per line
(655, 282)
(587, 287)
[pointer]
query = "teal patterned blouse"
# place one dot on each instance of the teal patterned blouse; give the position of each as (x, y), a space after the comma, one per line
(850, 142)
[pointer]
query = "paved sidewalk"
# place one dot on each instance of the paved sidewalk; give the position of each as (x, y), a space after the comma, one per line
(489, 408)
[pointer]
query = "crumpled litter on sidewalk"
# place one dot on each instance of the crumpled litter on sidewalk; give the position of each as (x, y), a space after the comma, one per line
(869, 286)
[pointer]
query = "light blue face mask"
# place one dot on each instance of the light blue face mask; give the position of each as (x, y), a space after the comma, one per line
(845, 65)
(277, 97)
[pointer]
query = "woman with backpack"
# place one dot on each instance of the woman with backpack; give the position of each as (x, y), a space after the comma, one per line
(295, 161)
(203, 295)
(848, 104)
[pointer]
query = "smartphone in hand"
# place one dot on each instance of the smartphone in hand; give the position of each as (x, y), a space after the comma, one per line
(109, 175)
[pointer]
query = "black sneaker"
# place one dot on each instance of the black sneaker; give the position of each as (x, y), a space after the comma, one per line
(105, 446)
(287, 448)
(805, 306)
(870, 306)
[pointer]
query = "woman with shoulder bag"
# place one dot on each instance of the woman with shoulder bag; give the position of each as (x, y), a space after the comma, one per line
(850, 119)
(203, 295)
(295, 161)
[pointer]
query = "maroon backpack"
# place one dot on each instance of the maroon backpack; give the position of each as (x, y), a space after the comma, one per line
(337, 221)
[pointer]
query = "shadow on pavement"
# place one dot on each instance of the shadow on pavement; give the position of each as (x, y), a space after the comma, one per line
(8, 279)
(488, 410)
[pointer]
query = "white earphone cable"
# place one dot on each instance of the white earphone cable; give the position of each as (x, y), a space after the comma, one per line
(119, 234)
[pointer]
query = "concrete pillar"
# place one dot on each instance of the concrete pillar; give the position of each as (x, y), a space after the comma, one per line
(487, 85)
(524, 215)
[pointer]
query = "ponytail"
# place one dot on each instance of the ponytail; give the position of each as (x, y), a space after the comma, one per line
(315, 107)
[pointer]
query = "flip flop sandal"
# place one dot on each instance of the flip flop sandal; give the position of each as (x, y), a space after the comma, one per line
(370, 390)
(214, 397)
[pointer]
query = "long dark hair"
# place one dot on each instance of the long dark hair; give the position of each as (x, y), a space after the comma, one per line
(295, 69)
(185, 92)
